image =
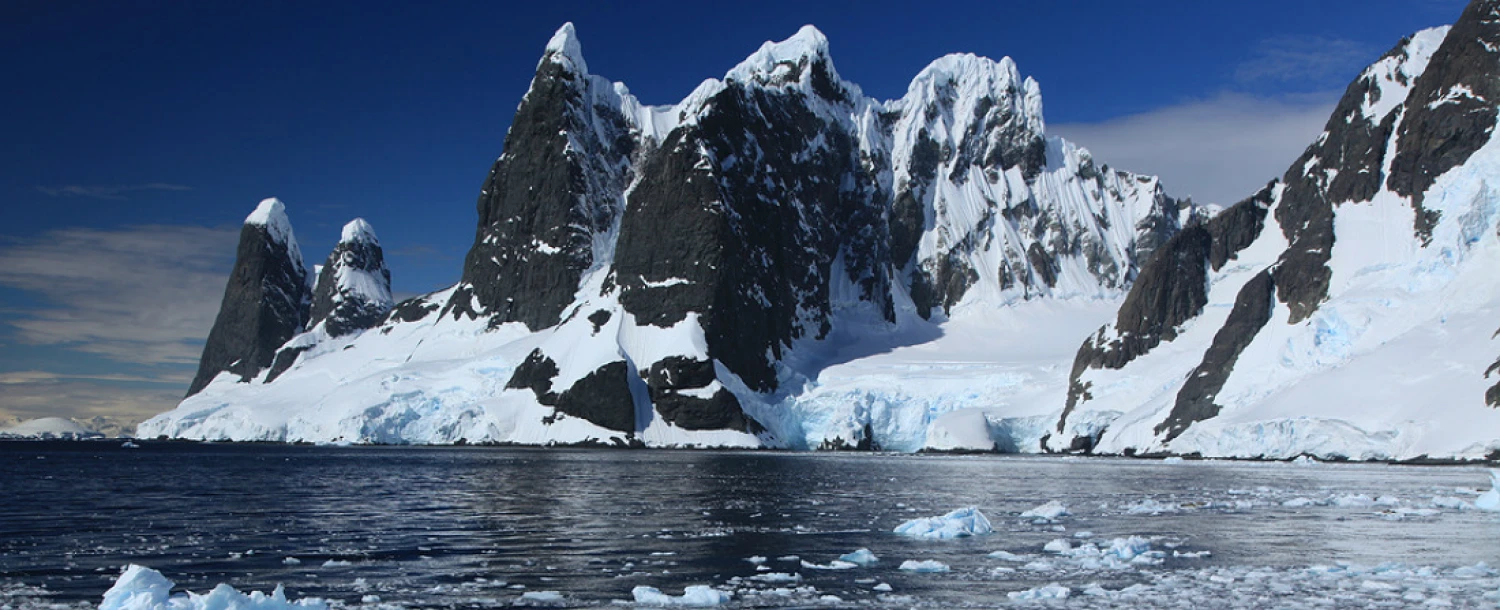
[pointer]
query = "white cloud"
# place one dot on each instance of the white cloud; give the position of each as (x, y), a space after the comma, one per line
(141, 295)
(1218, 150)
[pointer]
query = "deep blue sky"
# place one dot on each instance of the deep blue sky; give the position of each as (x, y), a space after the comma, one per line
(118, 115)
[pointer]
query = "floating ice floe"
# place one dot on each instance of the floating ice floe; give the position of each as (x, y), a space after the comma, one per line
(957, 524)
(777, 578)
(837, 564)
(1050, 510)
(1116, 554)
(1007, 556)
(925, 566)
(1052, 591)
(696, 596)
(142, 588)
(861, 557)
(1490, 500)
(541, 598)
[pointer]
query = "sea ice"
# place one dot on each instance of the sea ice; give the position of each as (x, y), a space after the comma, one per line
(1052, 591)
(777, 577)
(544, 598)
(698, 596)
(861, 557)
(837, 564)
(926, 566)
(957, 524)
(1007, 556)
(1050, 510)
(142, 588)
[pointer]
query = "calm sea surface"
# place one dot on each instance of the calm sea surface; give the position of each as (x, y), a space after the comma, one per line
(468, 527)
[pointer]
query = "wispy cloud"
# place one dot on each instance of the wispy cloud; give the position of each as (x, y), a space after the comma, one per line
(113, 191)
(141, 295)
(1220, 149)
(27, 377)
(1304, 62)
(84, 400)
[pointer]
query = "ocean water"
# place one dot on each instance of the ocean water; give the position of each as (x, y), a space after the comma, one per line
(476, 527)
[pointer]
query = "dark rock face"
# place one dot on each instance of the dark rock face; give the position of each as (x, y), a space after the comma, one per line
(265, 304)
(1171, 289)
(283, 362)
(1236, 228)
(1492, 395)
(412, 310)
(1352, 151)
(1451, 109)
(602, 397)
(668, 379)
(554, 188)
(1195, 401)
(748, 245)
(340, 301)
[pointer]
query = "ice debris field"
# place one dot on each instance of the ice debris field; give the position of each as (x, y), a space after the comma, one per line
(1074, 569)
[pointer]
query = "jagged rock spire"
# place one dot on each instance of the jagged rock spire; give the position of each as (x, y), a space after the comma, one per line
(265, 302)
(353, 290)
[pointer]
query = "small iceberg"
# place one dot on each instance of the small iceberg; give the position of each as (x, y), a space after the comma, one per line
(1052, 591)
(861, 557)
(1490, 500)
(142, 588)
(696, 596)
(1050, 510)
(926, 566)
(957, 524)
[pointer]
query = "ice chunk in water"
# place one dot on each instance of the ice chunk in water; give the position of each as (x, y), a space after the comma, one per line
(142, 588)
(1052, 591)
(926, 565)
(1050, 510)
(543, 598)
(861, 557)
(697, 596)
(957, 524)
(1490, 500)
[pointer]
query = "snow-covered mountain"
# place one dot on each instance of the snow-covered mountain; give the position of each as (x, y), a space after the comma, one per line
(1349, 308)
(353, 290)
(777, 260)
(49, 428)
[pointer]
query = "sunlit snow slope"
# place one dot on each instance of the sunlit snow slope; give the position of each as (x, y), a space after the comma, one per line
(1349, 310)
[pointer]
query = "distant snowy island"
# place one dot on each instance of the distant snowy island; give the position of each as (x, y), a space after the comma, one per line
(779, 260)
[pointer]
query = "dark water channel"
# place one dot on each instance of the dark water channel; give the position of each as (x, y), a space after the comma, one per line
(464, 527)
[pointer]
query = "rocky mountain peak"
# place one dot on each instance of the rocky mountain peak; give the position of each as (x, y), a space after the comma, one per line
(353, 290)
(565, 50)
(270, 214)
(800, 62)
(265, 302)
